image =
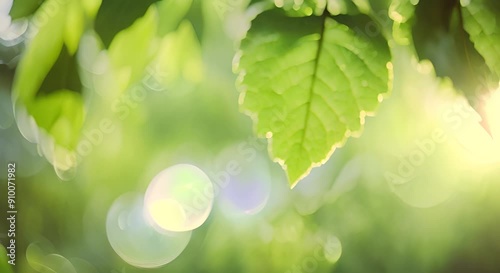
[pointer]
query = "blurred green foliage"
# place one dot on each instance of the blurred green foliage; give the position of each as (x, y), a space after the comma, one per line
(130, 88)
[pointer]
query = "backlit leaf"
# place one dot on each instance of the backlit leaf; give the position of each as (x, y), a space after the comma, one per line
(308, 83)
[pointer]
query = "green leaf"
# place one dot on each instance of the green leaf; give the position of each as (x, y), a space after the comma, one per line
(75, 25)
(61, 114)
(47, 91)
(401, 12)
(171, 13)
(308, 84)
(336, 7)
(4, 265)
(43, 50)
(91, 7)
(117, 15)
(317, 7)
(439, 35)
(133, 49)
(179, 61)
(482, 23)
(306, 8)
(23, 8)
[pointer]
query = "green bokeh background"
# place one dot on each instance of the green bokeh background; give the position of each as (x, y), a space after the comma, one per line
(445, 219)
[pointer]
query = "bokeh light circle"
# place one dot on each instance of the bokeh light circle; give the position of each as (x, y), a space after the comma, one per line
(179, 198)
(332, 249)
(243, 178)
(5, 19)
(137, 242)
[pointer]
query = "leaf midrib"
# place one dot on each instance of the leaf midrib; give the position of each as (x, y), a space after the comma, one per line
(324, 16)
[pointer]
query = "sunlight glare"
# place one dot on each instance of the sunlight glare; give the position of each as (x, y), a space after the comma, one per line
(482, 145)
(166, 212)
(492, 109)
(179, 198)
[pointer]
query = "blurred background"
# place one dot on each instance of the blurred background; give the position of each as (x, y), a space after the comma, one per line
(416, 192)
